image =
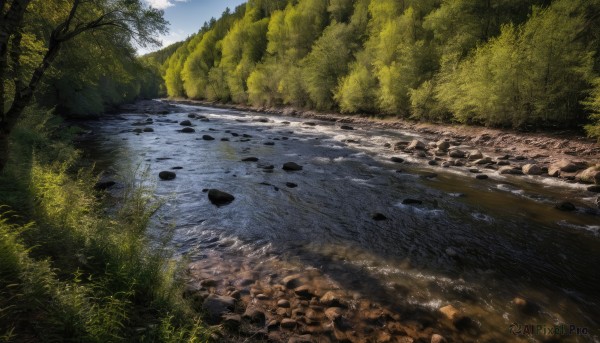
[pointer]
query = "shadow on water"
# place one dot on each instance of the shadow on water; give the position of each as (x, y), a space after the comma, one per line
(469, 242)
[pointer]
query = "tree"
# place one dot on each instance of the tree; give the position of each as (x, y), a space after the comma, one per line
(130, 18)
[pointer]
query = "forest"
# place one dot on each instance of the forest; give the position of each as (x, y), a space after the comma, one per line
(523, 64)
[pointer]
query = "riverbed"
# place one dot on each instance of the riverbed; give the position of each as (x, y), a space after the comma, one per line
(404, 239)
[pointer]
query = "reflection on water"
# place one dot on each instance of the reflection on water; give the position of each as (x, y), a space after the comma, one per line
(476, 244)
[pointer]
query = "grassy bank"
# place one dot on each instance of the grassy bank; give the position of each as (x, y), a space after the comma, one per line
(69, 271)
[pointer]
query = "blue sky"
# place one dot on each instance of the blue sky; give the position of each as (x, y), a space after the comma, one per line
(187, 16)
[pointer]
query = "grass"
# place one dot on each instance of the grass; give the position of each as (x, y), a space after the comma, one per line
(68, 271)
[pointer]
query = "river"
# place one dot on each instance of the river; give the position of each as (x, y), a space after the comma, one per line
(474, 244)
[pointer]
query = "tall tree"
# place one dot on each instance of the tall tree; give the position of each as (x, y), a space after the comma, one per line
(131, 19)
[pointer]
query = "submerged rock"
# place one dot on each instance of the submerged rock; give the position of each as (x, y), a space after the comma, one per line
(167, 175)
(208, 138)
(397, 159)
(219, 198)
(411, 202)
(565, 206)
(185, 123)
(292, 166)
(250, 159)
(346, 127)
(378, 216)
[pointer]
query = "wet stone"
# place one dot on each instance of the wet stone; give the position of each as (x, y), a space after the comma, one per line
(291, 166)
(186, 123)
(481, 177)
(167, 175)
(283, 303)
(565, 206)
(188, 130)
(219, 198)
(303, 291)
(216, 305)
(208, 138)
(254, 315)
(291, 185)
(397, 159)
(411, 202)
(288, 323)
(250, 159)
(378, 216)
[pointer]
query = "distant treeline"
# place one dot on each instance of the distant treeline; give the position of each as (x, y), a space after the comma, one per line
(509, 63)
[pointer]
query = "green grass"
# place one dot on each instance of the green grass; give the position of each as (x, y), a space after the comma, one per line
(68, 271)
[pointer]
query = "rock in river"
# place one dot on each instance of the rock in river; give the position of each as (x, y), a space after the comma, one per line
(166, 175)
(186, 123)
(219, 198)
(565, 206)
(532, 169)
(250, 159)
(416, 145)
(291, 166)
(397, 159)
(208, 138)
(346, 127)
(378, 216)
(411, 202)
(590, 175)
(187, 130)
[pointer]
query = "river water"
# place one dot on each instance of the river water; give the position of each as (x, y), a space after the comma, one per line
(475, 244)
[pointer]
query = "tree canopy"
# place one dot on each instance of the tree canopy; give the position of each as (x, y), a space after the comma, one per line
(519, 64)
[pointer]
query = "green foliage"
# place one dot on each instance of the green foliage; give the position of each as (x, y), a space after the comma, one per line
(593, 104)
(326, 63)
(506, 63)
(534, 74)
(69, 272)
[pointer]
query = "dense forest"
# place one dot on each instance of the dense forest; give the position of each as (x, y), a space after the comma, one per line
(505, 63)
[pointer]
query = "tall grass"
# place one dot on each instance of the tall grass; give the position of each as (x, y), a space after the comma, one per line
(70, 272)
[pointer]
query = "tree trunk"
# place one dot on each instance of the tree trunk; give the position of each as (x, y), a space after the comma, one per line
(22, 99)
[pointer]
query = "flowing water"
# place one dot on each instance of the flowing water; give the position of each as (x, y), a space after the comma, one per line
(475, 244)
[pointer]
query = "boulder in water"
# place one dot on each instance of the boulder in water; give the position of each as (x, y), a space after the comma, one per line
(397, 159)
(411, 202)
(532, 169)
(187, 130)
(291, 166)
(185, 123)
(378, 216)
(590, 175)
(208, 138)
(565, 206)
(346, 127)
(250, 159)
(219, 198)
(167, 175)
(416, 145)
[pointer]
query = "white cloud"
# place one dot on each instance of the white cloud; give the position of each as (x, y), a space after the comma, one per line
(162, 4)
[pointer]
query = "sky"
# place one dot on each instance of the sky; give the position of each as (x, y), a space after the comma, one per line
(187, 16)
